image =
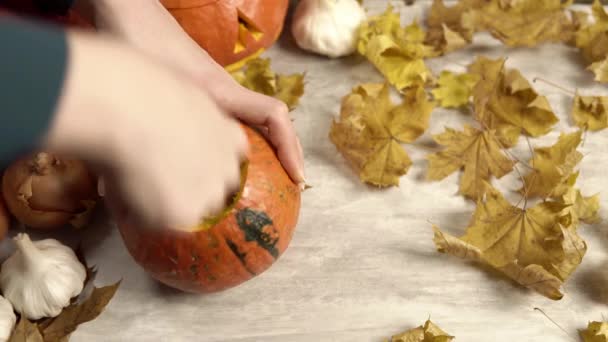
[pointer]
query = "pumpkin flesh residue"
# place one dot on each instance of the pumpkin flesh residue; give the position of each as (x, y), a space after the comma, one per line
(208, 222)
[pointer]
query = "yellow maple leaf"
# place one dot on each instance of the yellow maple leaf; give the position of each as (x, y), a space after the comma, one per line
(553, 167)
(503, 98)
(476, 151)
(590, 112)
(530, 245)
(429, 332)
(371, 129)
(600, 69)
(454, 90)
(446, 30)
(258, 76)
(595, 332)
(592, 39)
(445, 40)
(397, 52)
(523, 22)
(590, 34)
(582, 208)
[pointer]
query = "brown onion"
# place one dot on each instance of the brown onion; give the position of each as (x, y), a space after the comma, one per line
(45, 191)
(5, 219)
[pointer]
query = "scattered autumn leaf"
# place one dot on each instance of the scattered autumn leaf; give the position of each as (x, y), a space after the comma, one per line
(445, 40)
(397, 52)
(523, 22)
(590, 31)
(581, 208)
(530, 245)
(78, 313)
(592, 39)
(504, 100)
(371, 128)
(476, 151)
(552, 167)
(590, 112)
(429, 332)
(454, 90)
(446, 30)
(26, 331)
(595, 332)
(257, 75)
(600, 69)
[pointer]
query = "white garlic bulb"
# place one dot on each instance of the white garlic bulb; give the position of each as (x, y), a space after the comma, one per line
(8, 319)
(327, 27)
(41, 277)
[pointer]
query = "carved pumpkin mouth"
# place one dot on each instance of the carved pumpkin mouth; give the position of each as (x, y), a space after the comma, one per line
(231, 201)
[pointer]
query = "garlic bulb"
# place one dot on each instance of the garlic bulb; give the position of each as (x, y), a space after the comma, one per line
(327, 27)
(8, 319)
(41, 277)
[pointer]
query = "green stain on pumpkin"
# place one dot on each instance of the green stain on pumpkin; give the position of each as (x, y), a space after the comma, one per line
(240, 256)
(252, 223)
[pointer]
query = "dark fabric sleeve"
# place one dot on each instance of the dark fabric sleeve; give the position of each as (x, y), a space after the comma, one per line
(58, 7)
(32, 70)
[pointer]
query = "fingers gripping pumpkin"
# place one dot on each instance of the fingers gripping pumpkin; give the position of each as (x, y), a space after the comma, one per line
(230, 30)
(244, 241)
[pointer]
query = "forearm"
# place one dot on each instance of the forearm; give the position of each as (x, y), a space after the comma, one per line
(30, 86)
(103, 11)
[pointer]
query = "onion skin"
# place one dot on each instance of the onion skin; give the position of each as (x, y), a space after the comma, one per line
(5, 219)
(47, 192)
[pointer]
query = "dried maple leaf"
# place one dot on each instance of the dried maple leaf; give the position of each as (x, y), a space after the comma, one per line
(78, 313)
(445, 40)
(582, 208)
(397, 52)
(257, 75)
(429, 332)
(523, 22)
(530, 245)
(454, 89)
(26, 331)
(474, 150)
(552, 167)
(590, 33)
(590, 112)
(446, 31)
(371, 129)
(595, 332)
(600, 69)
(504, 100)
(592, 39)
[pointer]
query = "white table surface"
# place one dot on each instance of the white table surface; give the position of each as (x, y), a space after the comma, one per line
(362, 264)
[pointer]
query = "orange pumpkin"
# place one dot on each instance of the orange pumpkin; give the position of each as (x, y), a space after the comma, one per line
(244, 241)
(230, 30)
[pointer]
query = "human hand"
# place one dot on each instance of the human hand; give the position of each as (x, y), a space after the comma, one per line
(148, 26)
(163, 147)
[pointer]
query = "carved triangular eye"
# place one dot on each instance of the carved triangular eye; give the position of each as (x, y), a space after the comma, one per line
(246, 29)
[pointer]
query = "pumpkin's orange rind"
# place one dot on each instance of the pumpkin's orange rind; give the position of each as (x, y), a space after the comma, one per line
(230, 30)
(246, 240)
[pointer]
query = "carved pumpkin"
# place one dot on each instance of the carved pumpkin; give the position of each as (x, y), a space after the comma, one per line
(230, 30)
(244, 241)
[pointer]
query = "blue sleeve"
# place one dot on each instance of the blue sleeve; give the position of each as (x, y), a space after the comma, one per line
(32, 69)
